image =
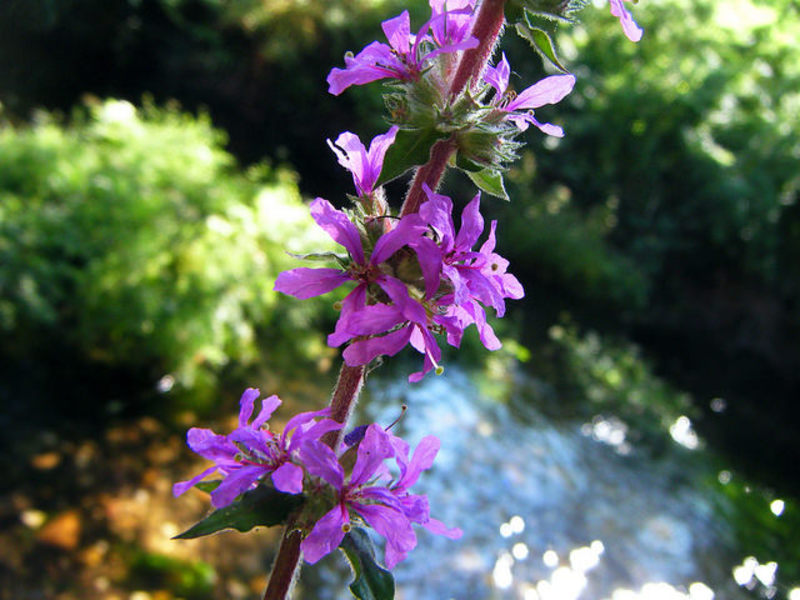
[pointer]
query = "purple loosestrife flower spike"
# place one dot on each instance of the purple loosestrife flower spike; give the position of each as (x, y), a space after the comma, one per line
(549, 90)
(363, 164)
(250, 452)
(389, 509)
(632, 31)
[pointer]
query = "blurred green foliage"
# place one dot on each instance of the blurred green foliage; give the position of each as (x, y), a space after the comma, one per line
(130, 239)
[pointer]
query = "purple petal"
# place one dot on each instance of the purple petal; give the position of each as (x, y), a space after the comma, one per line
(339, 227)
(549, 90)
(361, 352)
(422, 460)
(439, 528)
(210, 445)
(376, 61)
(497, 77)
(375, 319)
(353, 303)
(181, 487)
(377, 152)
(398, 32)
(326, 535)
(352, 155)
(521, 120)
(373, 449)
(237, 482)
(632, 31)
(429, 257)
(304, 283)
(320, 461)
(288, 478)
(438, 213)
(394, 526)
(471, 225)
(268, 406)
(314, 432)
(246, 404)
(407, 230)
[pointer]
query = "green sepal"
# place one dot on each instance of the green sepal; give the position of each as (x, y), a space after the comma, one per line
(372, 582)
(318, 256)
(264, 506)
(467, 165)
(541, 41)
(411, 148)
(489, 181)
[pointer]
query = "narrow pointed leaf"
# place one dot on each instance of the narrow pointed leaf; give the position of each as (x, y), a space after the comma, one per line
(372, 582)
(489, 181)
(208, 486)
(411, 148)
(542, 43)
(264, 506)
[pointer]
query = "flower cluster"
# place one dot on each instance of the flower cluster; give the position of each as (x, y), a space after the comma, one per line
(251, 451)
(414, 276)
(298, 461)
(369, 493)
(407, 54)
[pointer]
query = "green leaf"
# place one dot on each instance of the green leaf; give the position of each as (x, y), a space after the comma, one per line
(372, 582)
(489, 181)
(262, 506)
(208, 486)
(411, 148)
(542, 43)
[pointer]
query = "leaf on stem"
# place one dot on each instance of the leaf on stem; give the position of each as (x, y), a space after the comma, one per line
(489, 181)
(541, 41)
(262, 506)
(372, 582)
(411, 148)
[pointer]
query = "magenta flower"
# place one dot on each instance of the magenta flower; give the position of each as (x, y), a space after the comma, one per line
(389, 509)
(252, 451)
(412, 326)
(405, 56)
(364, 165)
(632, 31)
(306, 282)
(463, 282)
(451, 25)
(549, 90)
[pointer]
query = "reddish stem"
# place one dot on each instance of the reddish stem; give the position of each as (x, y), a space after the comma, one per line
(487, 27)
(285, 568)
(287, 562)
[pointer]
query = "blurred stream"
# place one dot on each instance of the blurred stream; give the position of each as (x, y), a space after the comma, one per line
(553, 510)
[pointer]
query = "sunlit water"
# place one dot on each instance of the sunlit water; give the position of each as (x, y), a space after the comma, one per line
(565, 511)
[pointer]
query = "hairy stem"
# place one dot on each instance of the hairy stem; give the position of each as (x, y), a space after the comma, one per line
(287, 562)
(285, 568)
(487, 27)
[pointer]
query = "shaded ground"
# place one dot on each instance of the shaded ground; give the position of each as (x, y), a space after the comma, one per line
(92, 517)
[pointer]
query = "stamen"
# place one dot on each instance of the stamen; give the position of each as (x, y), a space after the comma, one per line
(403, 409)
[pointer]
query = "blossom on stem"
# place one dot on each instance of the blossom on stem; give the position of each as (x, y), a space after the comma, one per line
(406, 55)
(466, 280)
(252, 451)
(519, 108)
(388, 508)
(365, 165)
(632, 31)
(306, 282)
